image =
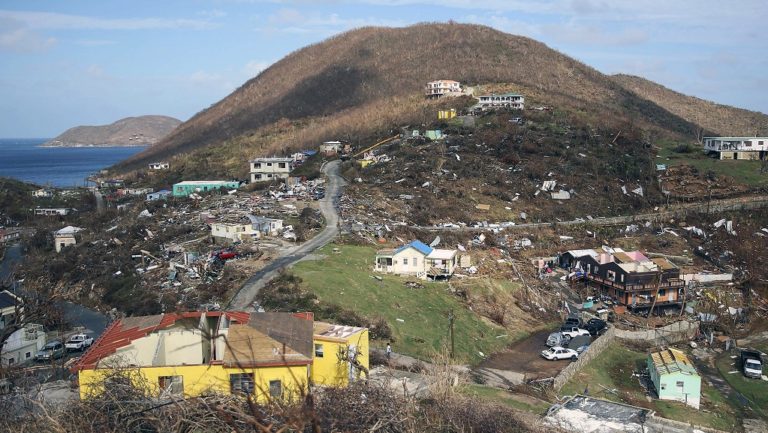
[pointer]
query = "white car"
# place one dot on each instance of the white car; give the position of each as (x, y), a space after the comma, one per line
(78, 342)
(557, 353)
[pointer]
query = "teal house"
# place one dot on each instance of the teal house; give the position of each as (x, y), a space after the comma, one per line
(184, 189)
(675, 377)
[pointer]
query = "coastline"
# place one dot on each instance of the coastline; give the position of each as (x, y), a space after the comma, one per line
(92, 145)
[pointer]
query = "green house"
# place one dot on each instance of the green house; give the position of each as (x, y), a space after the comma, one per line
(675, 377)
(184, 189)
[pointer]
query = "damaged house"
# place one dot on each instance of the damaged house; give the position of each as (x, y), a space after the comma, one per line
(266, 355)
(755, 148)
(417, 259)
(629, 277)
(65, 237)
(267, 169)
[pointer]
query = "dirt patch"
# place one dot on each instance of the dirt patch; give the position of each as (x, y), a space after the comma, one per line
(524, 357)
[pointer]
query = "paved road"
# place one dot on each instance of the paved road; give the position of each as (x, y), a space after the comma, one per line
(244, 298)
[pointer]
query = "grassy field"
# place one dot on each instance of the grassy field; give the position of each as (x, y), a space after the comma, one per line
(613, 370)
(418, 317)
(754, 390)
(746, 172)
(516, 401)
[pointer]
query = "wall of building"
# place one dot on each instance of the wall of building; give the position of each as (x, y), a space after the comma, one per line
(408, 262)
(200, 379)
(328, 370)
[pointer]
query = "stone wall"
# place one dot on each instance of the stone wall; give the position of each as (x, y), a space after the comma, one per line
(594, 349)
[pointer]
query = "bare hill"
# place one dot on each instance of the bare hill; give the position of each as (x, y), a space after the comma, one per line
(375, 66)
(131, 131)
(713, 118)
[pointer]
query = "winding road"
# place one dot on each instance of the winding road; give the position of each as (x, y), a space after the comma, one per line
(243, 299)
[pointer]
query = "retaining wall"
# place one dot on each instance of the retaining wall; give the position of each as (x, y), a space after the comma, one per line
(588, 355)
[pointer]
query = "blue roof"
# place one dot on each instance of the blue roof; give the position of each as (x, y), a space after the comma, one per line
(418, 245)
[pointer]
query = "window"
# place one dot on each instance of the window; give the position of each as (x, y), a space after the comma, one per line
(241, 382)
(663, 386)
(269, 164)
(28, 355)
(275, 388)
(257, 176)
(171, 385)
(680, 383)
(405, 261)
(257, 165)
(662, 292)
(11, 361)
(415, 262)
(318, 350)
(611, 275)
(281, 165)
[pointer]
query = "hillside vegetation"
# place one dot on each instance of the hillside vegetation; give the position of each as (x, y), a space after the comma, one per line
(131, 131)
(713, 118)
(368, 75)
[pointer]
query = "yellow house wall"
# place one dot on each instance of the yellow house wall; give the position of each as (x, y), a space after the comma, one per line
(411, 255)
(328, 370)
(202, 379)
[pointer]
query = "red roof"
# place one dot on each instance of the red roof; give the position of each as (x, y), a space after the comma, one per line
(121, 333)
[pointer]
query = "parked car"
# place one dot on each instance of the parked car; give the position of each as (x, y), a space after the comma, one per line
(557, 339)
(558, 353)
(751, 363)
(78, 342)
(52, 350)
(574, 321)
(573, 331)
(582, 348)
(596, 327)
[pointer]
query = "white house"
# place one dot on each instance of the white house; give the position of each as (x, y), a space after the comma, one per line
(65, 237)
(10, 308)
(266, 226)
(737, 147)
(43, 193)
(159, 166)
(508, 100)
(22, 345)
(439, 88)
(265, 169)
(233, 231)
(417, 259)
(52, 211)
(330, 147)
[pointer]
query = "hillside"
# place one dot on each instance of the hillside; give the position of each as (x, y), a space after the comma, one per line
(714, 118)
(374, 70)
(131, 131)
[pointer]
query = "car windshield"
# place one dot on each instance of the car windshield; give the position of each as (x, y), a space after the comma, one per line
(752, 363)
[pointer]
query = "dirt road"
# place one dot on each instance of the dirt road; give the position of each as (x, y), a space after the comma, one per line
(524, 357)
(243, 299)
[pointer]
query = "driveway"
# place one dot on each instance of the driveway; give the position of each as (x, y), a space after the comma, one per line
(243, 299)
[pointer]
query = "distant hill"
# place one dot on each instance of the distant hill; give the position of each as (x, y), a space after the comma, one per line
(131, 131)
(713, 118)
(368, 80)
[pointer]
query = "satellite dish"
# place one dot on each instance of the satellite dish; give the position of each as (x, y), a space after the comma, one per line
(435, 243)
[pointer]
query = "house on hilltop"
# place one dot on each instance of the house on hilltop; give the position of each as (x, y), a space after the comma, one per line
(266, 355)
(417, 259)
(504, 100)
(440, 88)
(674, 377)
(754, 148)
(629, 277)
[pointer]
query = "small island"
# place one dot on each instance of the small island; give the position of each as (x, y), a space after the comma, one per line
(131, 131)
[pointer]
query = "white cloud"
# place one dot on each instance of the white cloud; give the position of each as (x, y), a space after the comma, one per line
(95, 42)
(57, 21)
(254, 68)
(289, 20)
(16, 36)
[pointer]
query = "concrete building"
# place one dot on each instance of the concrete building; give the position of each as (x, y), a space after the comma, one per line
(158, 195)
(42, 193)
(754, 148)
(329, 148)
(159, 166)
(65, 237)
(267, 169)
(188, 187)
(267, 355)
(674, 377)
(233, 231)
(266, 226)
(11, 307)
(9, 234)
(22, 345)
(504, 100)
(52, 211)
(440, 88)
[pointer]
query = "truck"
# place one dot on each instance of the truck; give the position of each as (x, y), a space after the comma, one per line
(751, 363)
(572, 331)
(78, 342)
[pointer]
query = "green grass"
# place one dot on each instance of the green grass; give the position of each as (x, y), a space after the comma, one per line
(345, 278)
(745, 172)
(613, 369)
(755, 390)
(516, 401)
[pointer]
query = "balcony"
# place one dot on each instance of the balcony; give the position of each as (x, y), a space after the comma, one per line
(672, 283)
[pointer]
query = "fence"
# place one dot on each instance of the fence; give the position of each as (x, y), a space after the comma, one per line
(672, 333)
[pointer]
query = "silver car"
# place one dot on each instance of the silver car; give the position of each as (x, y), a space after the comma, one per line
(52, 350)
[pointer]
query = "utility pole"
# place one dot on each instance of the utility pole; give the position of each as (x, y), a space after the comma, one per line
(451, 319)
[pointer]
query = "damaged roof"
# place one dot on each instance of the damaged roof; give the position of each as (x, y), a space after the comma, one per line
(417, 245)
(671, 361)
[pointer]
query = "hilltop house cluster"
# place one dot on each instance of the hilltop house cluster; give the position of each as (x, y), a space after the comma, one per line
(441, 88)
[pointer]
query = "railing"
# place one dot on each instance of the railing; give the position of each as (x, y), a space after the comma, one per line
(670, 284)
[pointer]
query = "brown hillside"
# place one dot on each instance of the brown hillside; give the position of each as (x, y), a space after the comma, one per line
(131, 131)
(713, 118)
(367, 65)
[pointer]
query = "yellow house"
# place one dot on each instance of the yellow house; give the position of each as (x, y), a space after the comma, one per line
(267, 355)
(340, 354)
(446, 114)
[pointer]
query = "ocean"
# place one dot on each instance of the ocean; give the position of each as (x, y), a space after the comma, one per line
(22, 159)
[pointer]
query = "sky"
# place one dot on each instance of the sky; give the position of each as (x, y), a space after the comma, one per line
(92, 62)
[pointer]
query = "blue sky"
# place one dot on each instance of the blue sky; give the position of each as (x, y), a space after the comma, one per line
(75, 62)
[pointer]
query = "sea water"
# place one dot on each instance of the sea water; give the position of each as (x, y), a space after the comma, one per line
(23, 159)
